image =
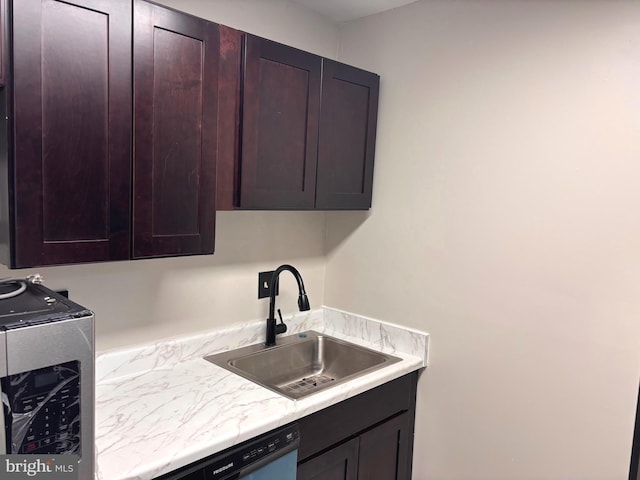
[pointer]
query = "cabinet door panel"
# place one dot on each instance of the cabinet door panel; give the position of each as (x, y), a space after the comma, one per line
(281, 96)
(72, 121)
(339, 463)
(3, 41)
(384, 450)
(332, 425)
(175, 98)
(347, 137)
(227, 175)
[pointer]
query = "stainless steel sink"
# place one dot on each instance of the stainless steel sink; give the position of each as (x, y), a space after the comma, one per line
(302, 364)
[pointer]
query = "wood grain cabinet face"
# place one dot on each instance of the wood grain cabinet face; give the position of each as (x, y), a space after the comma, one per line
(308, 132)
(367, 437)
(77, 190)
(3, 42)
(383, 451)
(346, 143)
(175, 115)
(71, 131)
(281, 100)
(339, 463)
(227, 176)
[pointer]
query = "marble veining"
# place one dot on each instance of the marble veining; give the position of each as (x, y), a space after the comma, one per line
(162, 406)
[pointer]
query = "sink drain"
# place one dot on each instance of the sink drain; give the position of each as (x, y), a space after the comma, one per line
(307, 383)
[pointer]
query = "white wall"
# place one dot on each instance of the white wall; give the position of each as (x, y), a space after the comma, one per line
(506, 222)
(143, 300)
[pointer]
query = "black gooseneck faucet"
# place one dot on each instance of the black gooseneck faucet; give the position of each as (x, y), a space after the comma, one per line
(303, 303)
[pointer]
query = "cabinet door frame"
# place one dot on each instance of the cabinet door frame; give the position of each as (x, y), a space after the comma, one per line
(331, 139)
(227, 163)
(4, 30)
(399, 428)
(252, 196)
(30, 245)
(346, 453)
(146, 243)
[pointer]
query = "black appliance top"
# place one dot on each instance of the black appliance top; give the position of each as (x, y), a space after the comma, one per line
(35, 305)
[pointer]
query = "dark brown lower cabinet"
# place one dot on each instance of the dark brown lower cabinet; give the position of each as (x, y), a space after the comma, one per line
(383, 450)
(339, 463)
(634, 470)
(381, 453)
(367, 437)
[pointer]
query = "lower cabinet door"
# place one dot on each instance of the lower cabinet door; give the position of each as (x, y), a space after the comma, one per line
(384, 451)
(339, 463)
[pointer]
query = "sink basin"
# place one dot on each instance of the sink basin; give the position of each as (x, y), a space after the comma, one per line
(302, 364)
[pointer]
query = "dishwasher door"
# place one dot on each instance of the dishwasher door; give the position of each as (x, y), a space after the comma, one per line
(272, 456)
(283, 468)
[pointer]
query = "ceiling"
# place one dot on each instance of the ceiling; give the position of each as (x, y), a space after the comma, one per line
(346, 10)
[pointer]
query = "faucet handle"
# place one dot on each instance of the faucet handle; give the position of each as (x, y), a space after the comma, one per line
(281, 327)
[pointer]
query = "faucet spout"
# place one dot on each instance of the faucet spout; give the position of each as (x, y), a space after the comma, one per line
(303, 303)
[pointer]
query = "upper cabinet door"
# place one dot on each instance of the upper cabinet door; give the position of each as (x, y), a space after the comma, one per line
(175, 110)
(71, 130)
(281, 98)
(347, 139)
(4, 30)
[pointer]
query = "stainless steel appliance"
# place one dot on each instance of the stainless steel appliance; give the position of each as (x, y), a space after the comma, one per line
(272, 456)
(46, 374)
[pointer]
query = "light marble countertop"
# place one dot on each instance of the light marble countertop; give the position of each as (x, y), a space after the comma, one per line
(162, 406)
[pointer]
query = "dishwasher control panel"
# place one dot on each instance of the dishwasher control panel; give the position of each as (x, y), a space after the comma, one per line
(254, 458)
(255, 453)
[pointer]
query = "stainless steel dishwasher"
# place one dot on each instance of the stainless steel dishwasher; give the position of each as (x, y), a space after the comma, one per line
(271, 456)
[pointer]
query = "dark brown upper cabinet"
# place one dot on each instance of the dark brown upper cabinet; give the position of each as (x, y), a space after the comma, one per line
(67, 157)
(227, 177)
(280, 113)
(307, 132)
(3, 41)
(108, 132)
(175, 116)
(346, 143)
